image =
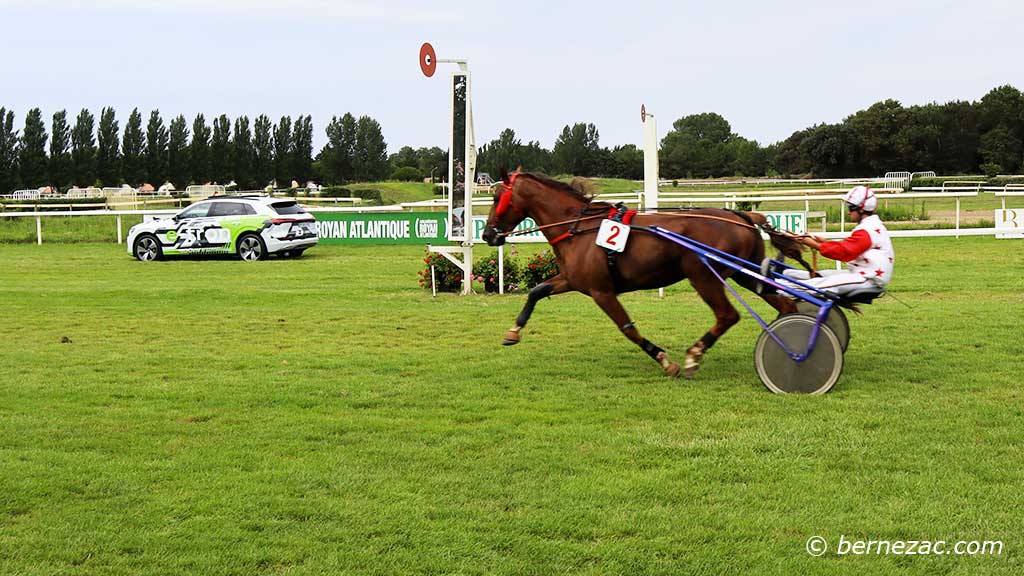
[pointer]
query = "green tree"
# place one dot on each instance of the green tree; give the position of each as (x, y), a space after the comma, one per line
(108, 157)
(8, 152)
(535, 158)
(302, 149)
(1001, 150)
(406, 157)
(157, 142)
(830, 148)
(283, 152)
(788, 159)
(178, 166)
(133, 148)
(370, 160)
(61, 168)
(1002, 106)
(220, 150)
(32, 152)
(338, 156)
(83, 149)
(433, 162)
(199, 151)
(407, 174)
(263, 142)
(575, 150)
(503, 151)
(873, 135)
(698, 147)
(627, 162)
(243, 156)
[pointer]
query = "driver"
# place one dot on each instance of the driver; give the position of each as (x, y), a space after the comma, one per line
(867, 251)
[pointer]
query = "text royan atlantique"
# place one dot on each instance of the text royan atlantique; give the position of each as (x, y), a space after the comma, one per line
(395, 229)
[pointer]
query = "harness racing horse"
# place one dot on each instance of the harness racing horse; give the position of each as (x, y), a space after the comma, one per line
(564, 214)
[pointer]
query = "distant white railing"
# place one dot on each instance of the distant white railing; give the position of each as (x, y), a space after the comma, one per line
(1008, 190)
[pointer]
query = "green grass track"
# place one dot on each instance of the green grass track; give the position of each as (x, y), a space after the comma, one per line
(327, 416)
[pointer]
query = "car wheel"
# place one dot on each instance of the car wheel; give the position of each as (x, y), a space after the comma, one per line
(250, 248)
(147, 248)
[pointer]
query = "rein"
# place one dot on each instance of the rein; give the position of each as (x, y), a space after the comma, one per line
(582, 218)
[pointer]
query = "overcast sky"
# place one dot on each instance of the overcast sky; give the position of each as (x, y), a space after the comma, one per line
(770, 68)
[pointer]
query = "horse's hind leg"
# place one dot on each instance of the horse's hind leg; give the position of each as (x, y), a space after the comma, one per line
(554, 285)
(613, 308)
(713, 293)
(781, 303)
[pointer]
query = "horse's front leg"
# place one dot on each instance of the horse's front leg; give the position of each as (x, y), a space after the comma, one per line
(712, 291)
(554, 285)
(613, 308)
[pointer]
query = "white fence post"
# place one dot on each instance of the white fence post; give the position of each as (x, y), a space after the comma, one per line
(958, 215)
(118, 228)
(501, 269)
(39, 230)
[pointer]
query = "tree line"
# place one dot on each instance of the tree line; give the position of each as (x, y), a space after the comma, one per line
(952, 138)
(253, 155)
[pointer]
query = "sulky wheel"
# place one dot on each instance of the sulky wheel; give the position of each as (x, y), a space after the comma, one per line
(836, 320)
(783, 375)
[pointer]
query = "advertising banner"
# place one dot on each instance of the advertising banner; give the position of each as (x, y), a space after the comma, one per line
(398, 228)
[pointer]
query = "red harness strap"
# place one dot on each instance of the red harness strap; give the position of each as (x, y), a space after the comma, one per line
(627, 217)
(561, 237)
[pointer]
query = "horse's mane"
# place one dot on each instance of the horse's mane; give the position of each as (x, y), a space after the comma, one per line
(580, 188)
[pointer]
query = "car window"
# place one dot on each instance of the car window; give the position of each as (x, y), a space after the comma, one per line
(249, 210)
(228, 209)
(290, 207)
(195, 211)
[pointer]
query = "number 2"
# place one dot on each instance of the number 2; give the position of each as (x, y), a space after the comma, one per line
(615, 232)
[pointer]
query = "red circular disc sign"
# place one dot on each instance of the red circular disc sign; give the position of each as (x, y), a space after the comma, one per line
(428, 60)
(643, 113)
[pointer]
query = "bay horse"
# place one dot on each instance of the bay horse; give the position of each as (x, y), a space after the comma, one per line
(570, 219)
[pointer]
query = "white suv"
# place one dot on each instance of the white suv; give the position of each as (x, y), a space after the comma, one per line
(252, 227)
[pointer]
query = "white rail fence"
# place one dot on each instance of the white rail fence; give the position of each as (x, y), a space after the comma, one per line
(727, 199)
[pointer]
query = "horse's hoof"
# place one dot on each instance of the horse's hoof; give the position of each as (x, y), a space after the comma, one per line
(692, 363)
(511, 338)
(691, 371)
(672, 370)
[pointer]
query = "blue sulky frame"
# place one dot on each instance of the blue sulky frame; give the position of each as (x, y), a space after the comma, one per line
(823, 300)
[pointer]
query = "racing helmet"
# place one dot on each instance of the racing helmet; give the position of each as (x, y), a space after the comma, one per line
(861, 198)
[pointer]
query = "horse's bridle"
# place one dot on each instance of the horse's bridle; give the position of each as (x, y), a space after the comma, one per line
(505, 201)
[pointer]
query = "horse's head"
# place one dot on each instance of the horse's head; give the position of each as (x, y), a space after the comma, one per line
(505, 213)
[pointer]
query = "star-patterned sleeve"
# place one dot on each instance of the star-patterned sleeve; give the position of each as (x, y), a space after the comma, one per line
(849, 249)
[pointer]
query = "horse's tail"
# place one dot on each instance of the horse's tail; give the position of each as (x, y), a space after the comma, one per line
(786, 244)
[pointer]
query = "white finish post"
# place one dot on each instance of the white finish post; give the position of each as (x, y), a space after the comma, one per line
(470, 185)
(650, 160)
(39, 230)
(433, 282)
(501, 269)
(118, 228)
(460, 154)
